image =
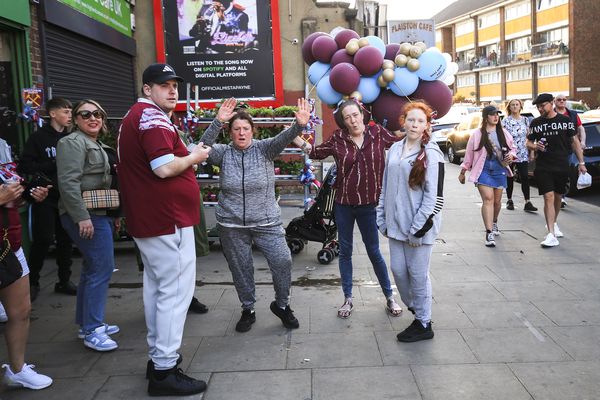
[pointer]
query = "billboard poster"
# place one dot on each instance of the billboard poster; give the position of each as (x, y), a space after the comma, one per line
(421, 30)
(228, 48)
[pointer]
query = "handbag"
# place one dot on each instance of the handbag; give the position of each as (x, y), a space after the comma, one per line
(501, 153)
(101, 199)
(10, 266)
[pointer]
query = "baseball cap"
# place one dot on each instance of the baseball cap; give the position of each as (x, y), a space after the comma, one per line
(489, 110)
(543, 98)
(159, 73)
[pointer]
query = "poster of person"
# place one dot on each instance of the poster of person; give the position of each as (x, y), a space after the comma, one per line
(217, 26)
(224, 46)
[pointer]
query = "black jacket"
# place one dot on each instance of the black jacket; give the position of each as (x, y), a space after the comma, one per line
(39, 155)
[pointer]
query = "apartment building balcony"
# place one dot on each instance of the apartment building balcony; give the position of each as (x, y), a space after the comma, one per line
(549, 49)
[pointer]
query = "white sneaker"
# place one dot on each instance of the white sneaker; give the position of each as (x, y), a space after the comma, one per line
(495, 229)
(550, 241)
(557, 232)
(98, 340)
(108, 329)
(3, 316)
(26, 378)
(489, 239)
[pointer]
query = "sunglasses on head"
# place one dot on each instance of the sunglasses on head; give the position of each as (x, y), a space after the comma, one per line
(85, 114)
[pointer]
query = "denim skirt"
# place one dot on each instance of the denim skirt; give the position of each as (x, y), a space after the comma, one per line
(493, 174)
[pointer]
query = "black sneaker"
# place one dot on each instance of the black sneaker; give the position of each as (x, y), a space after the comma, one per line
(197, 307)
(416, 332)
(34, 290)
(67, 287)
(175, 383)
(530, 207)
(286, 316)
(150, 366)
(246, 321)
(510, 205)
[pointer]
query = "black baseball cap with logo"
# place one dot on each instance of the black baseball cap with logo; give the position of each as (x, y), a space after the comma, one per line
(159, 73)
(489, 110)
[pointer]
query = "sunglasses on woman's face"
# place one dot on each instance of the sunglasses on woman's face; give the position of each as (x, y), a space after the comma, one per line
(85, 114)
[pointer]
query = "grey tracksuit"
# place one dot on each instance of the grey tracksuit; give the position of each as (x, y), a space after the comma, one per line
(412, 215)
(247, 211)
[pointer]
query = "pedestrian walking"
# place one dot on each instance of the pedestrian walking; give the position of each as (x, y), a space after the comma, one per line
(489, 152)
(553, 136)
(162, 204)
(409, 214)
(518, 127)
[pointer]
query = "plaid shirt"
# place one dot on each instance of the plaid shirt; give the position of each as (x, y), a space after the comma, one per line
(359, 170)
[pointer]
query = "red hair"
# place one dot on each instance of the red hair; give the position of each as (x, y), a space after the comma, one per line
(417, 173)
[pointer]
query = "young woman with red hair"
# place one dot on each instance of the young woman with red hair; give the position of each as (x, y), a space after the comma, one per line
(409, 214)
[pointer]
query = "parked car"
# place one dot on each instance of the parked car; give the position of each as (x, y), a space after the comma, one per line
(591, 157)
(456, 140)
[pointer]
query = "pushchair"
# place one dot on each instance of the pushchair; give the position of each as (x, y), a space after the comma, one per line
(317, 224)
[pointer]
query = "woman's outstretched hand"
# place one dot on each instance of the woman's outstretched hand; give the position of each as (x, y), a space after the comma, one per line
(303, 113)
(226, 112)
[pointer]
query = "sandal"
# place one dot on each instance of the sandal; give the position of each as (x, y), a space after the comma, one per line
(346, 309)
(393, 308)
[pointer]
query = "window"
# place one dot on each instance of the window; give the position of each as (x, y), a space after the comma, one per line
(486, 20)
(553, 69)
(545, 4)
(517, 10)
(555, 35)
(438, 36)
(486, 78)
(465, 80)
(518, 74)
(462, 28)
(519, 46)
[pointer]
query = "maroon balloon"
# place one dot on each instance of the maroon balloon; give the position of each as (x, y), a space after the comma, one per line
(344, 78)
(341, 56)
(323, 48)
(391, 50)
(307, 54)
(343, 37)
(388, 108)
(436, 94)
(368, 60)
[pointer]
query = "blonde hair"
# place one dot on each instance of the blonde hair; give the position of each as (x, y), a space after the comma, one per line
(104, 129)
(507, 108)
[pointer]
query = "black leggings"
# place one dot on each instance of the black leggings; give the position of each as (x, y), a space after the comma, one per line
(521, 168)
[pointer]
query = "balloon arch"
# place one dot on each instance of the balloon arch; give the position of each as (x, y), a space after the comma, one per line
(384, 77)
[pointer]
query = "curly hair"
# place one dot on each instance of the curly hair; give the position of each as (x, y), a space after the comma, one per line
(417, 173)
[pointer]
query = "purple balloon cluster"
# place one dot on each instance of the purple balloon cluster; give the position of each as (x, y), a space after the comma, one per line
(348, 66)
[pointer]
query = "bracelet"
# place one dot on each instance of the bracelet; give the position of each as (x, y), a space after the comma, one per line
(581, 163)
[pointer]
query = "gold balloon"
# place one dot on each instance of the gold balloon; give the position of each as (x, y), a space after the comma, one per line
(356, 95)
(405, 48)
(421, 45)
(413, 64)
(352, 46)
(415, 52)
(345, 97)
(388, 64)
(381, 82)
(388, 75)
(362, 42)
(401, 60)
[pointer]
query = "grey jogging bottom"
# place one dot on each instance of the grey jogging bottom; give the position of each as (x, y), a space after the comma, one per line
(237, 248)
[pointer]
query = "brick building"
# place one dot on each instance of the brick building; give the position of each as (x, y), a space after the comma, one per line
(518, 48)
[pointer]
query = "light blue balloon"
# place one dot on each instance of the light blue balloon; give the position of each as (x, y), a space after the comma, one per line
(432, 65)
(377, 43)
(316, 71)
(326, 93)
(368, 88)
(405, 82)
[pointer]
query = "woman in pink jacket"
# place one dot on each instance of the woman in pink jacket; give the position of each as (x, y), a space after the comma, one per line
(489, 151)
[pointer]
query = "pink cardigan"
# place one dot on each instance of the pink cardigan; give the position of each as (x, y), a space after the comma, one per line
(475, 159)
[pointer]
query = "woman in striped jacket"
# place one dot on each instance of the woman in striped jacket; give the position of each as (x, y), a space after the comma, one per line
(409, 214)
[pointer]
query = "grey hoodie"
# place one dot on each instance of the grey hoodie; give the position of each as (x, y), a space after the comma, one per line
(404, 213)
(247, 177)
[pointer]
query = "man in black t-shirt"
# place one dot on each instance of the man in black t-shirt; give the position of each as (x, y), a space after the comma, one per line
(554, 137)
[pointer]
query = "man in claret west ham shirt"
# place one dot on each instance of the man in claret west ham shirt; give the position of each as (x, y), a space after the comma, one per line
(161, 203)
(359, 153)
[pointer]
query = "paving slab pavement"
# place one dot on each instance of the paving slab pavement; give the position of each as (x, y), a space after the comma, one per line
(513, 322)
